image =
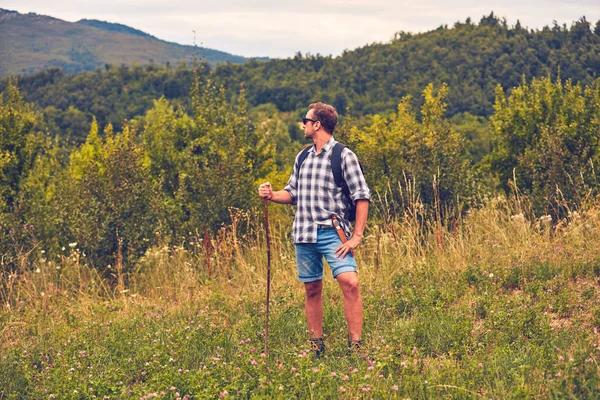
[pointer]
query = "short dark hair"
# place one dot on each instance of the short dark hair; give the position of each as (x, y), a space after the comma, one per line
(326, 114)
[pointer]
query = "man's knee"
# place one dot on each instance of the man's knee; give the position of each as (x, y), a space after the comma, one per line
(349, 283)
(313, 289)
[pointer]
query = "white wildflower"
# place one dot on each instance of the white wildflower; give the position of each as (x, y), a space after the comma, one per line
(518, 218)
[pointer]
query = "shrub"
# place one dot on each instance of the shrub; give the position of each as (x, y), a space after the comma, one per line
(545, 136)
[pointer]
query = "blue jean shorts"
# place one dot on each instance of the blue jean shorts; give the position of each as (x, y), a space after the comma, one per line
(309, 257)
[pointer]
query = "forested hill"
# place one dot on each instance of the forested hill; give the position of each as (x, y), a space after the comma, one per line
(473, 58)
(32, 42)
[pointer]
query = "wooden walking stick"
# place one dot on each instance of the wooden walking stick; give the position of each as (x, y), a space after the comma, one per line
(268, 275)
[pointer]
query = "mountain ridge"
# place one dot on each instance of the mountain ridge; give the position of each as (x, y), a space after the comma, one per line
(115, 27)
(34, 42)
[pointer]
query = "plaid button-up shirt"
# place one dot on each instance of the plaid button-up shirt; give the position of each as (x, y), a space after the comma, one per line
(316, 196)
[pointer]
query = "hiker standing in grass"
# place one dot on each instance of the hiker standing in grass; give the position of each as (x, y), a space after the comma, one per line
(321, 207)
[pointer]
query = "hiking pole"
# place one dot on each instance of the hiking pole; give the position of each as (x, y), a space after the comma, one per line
(266, 208)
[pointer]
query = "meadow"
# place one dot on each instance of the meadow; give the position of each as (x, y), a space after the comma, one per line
(133, 255)
(496, 305)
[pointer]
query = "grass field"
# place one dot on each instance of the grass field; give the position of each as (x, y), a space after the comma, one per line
(500, 306)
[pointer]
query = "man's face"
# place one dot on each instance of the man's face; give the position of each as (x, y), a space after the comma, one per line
(309, 125)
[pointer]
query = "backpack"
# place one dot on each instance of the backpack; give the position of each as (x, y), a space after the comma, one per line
(336, 166)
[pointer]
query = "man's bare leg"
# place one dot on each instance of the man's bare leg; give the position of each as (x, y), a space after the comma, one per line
(353, 308)
(313, 306)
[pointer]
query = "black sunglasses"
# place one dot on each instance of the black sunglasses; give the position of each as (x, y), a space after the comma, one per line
(305, 120)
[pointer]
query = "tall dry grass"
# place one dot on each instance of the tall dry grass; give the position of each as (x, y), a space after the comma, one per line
(498, 236)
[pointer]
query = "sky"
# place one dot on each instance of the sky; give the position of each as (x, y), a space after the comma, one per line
(281, 28)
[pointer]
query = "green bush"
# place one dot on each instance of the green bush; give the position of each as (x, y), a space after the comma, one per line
(19, 146)
(545, 142)
(107, 199)
(421, 159)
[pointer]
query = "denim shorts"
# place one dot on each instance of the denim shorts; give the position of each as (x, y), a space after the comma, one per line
(309, 257)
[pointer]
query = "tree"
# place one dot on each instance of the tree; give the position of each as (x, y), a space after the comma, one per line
(17, 121)
(206, 163)
(107, 199)
(223, 158)
(19, 146)
(426, 159)
(545, 134)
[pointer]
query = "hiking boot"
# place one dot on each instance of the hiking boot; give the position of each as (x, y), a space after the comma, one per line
(317, 346)
(356, 348)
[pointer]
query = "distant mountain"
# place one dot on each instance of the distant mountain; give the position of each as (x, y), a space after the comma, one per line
(32, 42)
(113, 27)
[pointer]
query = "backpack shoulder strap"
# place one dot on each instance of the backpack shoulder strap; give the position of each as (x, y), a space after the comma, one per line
(301, 158)
(336, 163)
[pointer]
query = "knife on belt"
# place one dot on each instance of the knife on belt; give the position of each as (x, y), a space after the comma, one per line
(338, 228)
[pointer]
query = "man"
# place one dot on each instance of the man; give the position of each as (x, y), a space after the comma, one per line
(313, 190)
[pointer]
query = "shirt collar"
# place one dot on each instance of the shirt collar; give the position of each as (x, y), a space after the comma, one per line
(330, 143)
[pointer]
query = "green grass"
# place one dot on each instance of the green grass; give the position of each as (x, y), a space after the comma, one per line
(498, 310)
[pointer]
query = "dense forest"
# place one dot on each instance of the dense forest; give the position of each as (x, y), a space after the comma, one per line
(471, 58)
(126, 158)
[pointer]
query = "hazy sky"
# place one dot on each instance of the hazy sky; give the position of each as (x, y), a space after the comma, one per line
(280, 28)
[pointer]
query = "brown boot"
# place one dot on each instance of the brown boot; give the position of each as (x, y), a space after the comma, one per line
(356, 348)
(317, 346)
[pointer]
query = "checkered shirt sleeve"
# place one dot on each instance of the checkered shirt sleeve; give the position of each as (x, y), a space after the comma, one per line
(354, 177)
(316, 196)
